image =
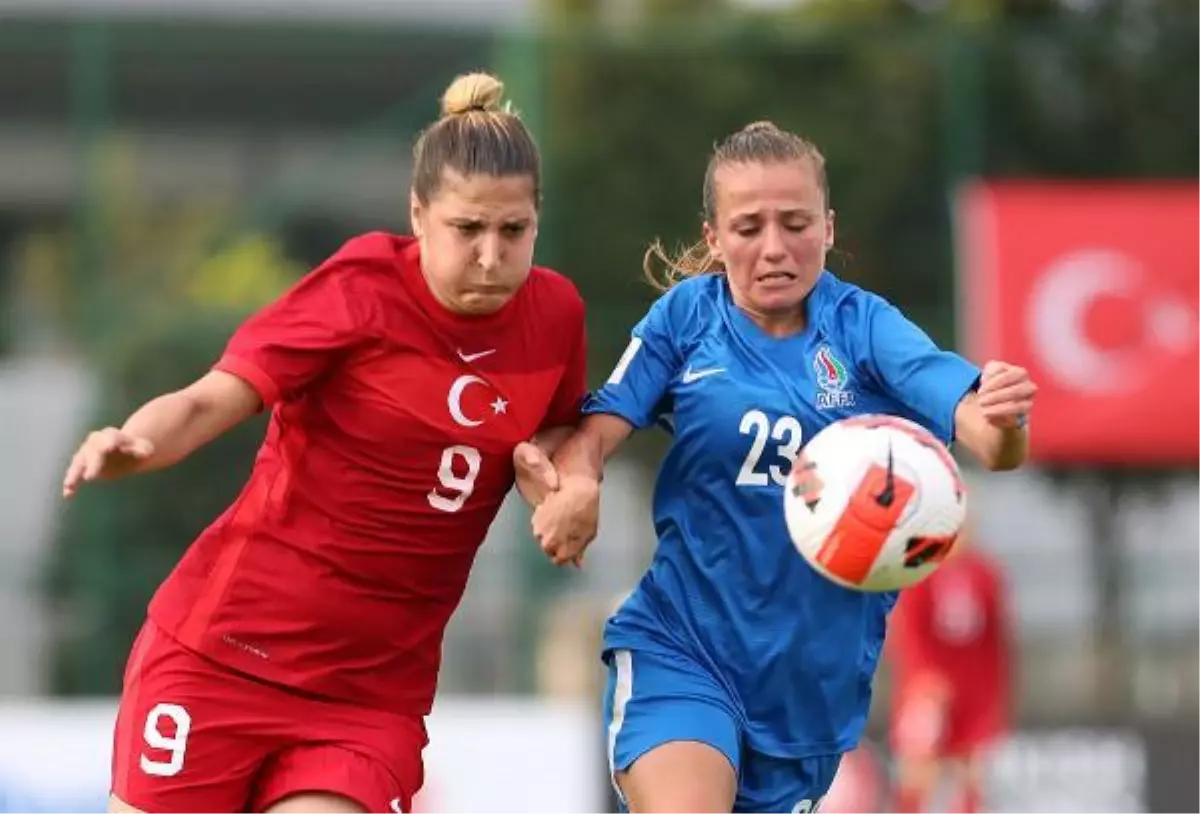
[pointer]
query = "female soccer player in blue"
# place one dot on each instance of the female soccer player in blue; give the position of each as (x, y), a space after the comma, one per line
(738, 675)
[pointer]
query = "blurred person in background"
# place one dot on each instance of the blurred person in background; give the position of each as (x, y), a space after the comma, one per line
(950, 648)
(738, 676)
(289, 660)
(859, 785)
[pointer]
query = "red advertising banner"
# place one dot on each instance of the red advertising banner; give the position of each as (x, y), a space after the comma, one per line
(1093, 288)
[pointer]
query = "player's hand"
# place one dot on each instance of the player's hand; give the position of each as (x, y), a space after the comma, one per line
(106, 453)
(566, 522)
(1006, 394)
(536, 475)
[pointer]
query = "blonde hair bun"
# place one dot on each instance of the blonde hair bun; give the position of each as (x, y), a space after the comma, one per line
(761, 127)
(473, 91)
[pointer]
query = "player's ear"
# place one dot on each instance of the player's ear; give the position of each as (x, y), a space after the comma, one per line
(416, 214)
(710, 240)
(829, 230)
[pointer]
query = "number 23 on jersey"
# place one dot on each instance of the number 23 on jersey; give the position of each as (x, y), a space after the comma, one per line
(783, 437)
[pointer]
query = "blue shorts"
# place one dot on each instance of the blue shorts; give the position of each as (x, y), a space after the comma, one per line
(651, 700)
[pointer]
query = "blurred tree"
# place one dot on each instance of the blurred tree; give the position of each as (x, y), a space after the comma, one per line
(1102, 95)
(119, 540)
(250, 270)
(153, 257)
(651, 107)
(904, 98)
(173, 289)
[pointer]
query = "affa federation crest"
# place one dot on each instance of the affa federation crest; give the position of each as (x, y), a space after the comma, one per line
(833, 380)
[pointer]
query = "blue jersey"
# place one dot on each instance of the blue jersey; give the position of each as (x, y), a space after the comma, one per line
(795, 652)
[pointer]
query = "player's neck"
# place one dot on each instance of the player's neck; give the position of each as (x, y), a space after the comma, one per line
(778, 325)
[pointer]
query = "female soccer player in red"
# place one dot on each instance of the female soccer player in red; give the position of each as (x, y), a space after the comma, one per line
(950, 643)
(288, 661)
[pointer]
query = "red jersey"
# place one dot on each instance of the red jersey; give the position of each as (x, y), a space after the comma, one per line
(953, 628)
(387, 456)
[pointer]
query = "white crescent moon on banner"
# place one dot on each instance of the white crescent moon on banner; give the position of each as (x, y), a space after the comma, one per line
(1058, 304)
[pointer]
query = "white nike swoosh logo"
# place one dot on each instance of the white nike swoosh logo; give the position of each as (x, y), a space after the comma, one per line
(471, 357)
(395, 804)
(690, 375)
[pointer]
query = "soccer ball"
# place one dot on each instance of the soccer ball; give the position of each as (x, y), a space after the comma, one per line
(875, 503)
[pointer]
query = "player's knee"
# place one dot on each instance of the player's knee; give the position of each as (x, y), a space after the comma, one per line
(116, 804)
(679, 776)
(919, 773)
(971, 768)
(309, 802)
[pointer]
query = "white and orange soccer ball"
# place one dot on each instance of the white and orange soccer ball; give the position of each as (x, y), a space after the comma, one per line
(875, 503)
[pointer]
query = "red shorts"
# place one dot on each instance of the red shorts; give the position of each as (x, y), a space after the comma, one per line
(928, 726)
(192, 735)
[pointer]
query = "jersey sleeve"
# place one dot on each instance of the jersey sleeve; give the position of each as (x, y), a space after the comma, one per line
(295, 339)
(636, 388)
(568, 398)
(915, 372)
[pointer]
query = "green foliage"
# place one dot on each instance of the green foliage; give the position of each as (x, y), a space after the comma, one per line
(872, 110)
(1113, 94)
(151, 317)
(120, 539)
(904, 105)
(85, 284)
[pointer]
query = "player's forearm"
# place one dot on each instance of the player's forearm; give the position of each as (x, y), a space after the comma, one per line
(998, 448)
(580, 456)
(174, 423)
(179, 423)
(550, 440)
(1012, 448)
(584, 453)
(1002, 449)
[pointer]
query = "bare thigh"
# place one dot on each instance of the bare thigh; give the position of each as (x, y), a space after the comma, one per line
(116, 804)
(679, 776)
(304, 803)
(313, 802)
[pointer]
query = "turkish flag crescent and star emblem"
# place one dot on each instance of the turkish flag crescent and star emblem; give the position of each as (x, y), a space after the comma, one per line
(1093, 288)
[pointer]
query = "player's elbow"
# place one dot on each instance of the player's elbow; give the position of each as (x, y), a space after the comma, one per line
(187, 419)
(219, 401)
